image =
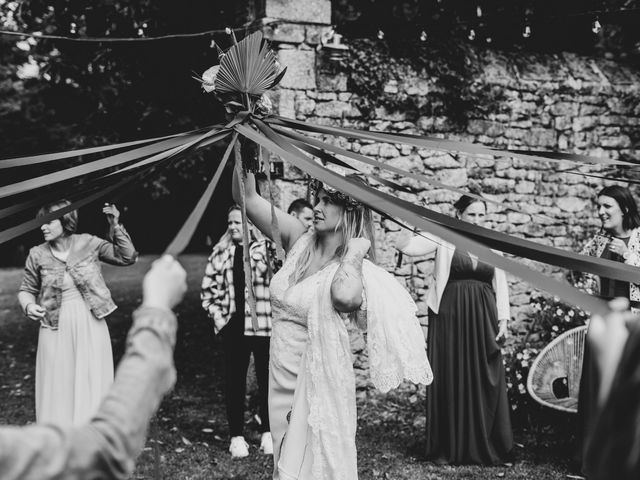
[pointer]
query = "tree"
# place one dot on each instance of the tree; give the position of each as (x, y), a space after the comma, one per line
(553, 26)
(87, 94)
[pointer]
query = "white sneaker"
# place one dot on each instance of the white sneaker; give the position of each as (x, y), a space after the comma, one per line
(266, 444)
(239, 448)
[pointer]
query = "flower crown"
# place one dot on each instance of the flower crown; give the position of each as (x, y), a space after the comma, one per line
(336, 196)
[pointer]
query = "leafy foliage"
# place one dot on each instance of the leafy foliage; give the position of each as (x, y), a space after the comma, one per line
(94, 94)
(371, 64)
(440, 38)
(103, 93)
(553, 317)
(553, 26)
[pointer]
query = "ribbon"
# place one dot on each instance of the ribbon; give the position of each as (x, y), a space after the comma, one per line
(182, 238)
(275, 227)
(245, 236)
(9, 233)
(381, 165)
(52, 157)
(92, 167)
(316, 152)
(18, 230)
(439, 143)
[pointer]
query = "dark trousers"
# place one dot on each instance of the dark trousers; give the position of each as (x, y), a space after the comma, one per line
(238, 349)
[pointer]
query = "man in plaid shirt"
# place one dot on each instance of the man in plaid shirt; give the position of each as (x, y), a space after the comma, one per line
(231, 314)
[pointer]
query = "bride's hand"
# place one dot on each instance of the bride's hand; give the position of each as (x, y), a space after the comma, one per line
(403, 239)
(358, 247)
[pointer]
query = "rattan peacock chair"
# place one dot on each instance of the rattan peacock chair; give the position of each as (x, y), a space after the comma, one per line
(554, 376)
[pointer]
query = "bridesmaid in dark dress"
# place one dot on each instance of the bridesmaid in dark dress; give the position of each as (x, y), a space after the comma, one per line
(468, 415)
(619, 240)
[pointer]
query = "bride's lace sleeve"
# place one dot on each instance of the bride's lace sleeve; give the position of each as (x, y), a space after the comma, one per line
(395, 340)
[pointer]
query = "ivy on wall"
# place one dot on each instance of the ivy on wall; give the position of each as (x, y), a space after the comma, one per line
(371, 65)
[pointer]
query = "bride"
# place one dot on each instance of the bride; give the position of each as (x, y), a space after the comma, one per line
(325, 283)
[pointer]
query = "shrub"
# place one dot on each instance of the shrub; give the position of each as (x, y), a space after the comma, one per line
(551, 318)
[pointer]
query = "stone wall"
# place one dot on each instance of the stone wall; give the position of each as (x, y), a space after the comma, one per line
(554, 102)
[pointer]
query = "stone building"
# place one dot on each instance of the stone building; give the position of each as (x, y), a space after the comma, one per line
(559, 102)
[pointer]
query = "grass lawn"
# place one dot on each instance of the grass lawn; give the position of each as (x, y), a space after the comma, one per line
(190, 428)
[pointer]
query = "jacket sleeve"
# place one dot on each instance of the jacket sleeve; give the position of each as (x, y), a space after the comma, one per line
(501, 287)
(633, 258)
(108, 446)
(119, 249)
(212, 292)
(31, 278)
(259, 256)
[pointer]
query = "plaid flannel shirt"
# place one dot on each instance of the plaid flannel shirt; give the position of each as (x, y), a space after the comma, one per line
(218, 293)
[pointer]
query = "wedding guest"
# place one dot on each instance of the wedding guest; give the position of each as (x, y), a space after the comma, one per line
(324, 283)
(108, 445)
(468, 419)
(618, 240)
(303, 211)
(64, 290)
(225, 299)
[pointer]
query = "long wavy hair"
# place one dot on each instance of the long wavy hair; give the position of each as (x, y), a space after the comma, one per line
(354, 223)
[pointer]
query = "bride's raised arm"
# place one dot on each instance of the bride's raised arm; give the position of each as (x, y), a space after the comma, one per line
(259, 212)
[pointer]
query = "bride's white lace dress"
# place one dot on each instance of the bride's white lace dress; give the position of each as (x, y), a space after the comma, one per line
(312, 405)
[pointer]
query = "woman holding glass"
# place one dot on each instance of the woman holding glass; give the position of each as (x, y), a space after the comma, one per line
(618, 240)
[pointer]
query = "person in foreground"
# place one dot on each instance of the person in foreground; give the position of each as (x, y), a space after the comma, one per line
(107, 446)
(468, 418)
(324, 284)
(613, 448)
(63, 289)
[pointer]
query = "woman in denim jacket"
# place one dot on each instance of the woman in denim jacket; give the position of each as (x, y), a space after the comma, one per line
(64, 290)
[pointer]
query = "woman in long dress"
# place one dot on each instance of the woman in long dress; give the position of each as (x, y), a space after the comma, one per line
(468, 418)
(63, 289)
(325, 283)
(618, 240)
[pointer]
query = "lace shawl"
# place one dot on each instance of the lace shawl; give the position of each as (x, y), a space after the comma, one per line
(396, 350)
